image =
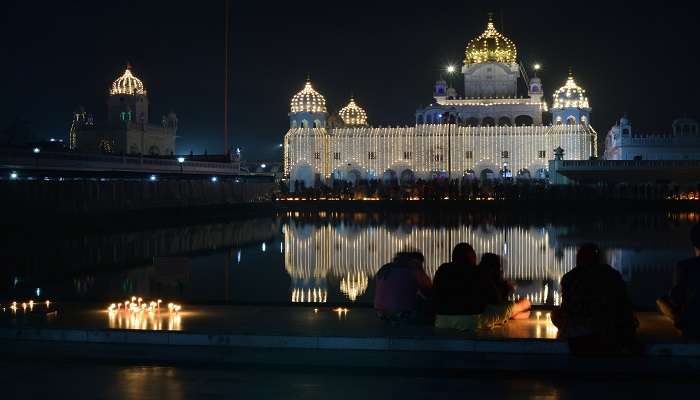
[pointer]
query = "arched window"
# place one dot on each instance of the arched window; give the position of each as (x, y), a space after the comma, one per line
(304, 123)
(523, 120)
(571, 120)
(294, 124)
(420, 119)
(504, 121)
(429, 120)
(471, 122)
(558, 120)
(584, 120)
(488, 121)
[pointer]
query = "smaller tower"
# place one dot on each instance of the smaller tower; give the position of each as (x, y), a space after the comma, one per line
(308, 108)
(440, 92)
(128, 101)
(570, 105)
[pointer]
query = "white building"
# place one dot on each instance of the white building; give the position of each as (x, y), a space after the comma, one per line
(127, 130)
(488, 133)
(683, 143)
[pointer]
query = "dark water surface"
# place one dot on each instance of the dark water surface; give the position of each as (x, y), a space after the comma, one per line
(331, 257)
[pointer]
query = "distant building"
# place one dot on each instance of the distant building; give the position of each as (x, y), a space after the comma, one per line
(489, 133)
(127, 130)
(682, 143)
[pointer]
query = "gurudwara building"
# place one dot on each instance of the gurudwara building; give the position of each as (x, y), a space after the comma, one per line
(488, 133)
(127, 130)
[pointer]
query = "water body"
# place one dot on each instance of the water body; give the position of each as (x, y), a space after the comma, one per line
(331, 257)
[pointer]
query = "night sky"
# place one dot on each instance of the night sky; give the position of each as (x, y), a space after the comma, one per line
(640, 60)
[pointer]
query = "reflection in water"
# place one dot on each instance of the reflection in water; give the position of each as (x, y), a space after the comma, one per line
(353, 254)
(145, 321)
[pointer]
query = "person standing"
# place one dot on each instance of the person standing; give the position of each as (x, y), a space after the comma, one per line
(682, 304)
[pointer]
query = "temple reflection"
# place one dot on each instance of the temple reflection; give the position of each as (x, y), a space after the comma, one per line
(352, 254)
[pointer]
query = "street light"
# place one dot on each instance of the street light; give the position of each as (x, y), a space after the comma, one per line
(181, 160)
(537, 67)
(214, 179)
(263, 166)
(153, 178)
(36, 150)
(451, 68)
(13, 175)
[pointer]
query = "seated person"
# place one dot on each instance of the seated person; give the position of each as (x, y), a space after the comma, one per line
(498, 290)
(460, 294)
(596, 314)
(682, 304)
(403, 290)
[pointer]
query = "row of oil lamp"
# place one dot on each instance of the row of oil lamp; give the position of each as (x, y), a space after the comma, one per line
(26, 306)
(138, 305)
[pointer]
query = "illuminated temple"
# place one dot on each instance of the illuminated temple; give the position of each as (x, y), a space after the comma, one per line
(488, 133)
(127, 129)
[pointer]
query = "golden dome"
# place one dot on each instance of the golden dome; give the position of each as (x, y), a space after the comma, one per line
(352, 114)
(490, 46)
(570, 95)
(308, 100)
(127, 84)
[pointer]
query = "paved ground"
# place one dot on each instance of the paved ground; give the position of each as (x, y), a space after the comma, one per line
(304, 321)
(24, 380)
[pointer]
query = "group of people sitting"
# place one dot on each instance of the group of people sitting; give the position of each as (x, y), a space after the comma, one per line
(463, 296)
(596, 314)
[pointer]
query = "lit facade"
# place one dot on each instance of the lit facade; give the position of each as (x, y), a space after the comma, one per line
(127, 130)
(683, 143)
(488, 133)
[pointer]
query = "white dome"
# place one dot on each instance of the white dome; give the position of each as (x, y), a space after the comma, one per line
(308, 100)
(127, 84)
(570, 95)
(352, 114)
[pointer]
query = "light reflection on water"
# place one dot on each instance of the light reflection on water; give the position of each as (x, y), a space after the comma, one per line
(352, 255)
(331, 257)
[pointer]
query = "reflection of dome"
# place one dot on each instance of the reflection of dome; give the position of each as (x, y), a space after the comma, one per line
(570, 95)
(127, 84)
(354, 285)
(352, 114)
(490, 46)
(309, 295)
(308, 100)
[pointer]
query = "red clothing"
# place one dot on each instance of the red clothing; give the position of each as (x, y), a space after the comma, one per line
(400, 286)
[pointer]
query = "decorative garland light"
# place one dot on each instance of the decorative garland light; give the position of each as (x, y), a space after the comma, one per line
(127, 84)
(352, 114)
(490, 46)
(308, 100)
(570, 95)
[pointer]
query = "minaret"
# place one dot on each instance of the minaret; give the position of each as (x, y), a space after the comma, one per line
(308, 108)
(128, 101)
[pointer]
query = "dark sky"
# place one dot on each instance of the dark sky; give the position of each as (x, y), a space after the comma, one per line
(634, 59)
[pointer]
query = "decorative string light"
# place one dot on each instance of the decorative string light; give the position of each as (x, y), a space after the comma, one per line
(490, 46)
(352, 114)
(308, 100)
(570, 95)
(369, 153)
(127, 84)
